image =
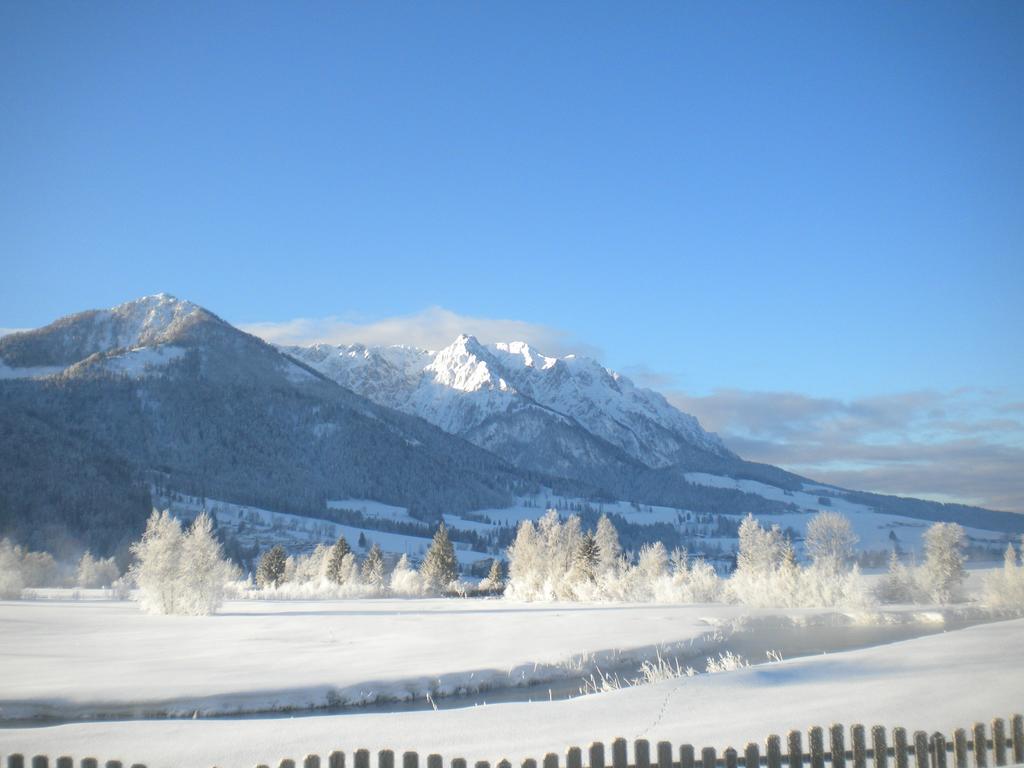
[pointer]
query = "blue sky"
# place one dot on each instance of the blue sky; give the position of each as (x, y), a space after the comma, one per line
(734, 202)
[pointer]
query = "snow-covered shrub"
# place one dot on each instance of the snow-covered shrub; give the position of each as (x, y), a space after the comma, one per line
(405, 581)
(726, 662)
(179, 572)
(1004, 588)
(942, 573)
(94, 573)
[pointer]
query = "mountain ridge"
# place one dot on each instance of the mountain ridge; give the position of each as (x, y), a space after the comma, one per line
(100, 406)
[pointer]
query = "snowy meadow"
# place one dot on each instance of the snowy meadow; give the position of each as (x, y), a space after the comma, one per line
(183, 659)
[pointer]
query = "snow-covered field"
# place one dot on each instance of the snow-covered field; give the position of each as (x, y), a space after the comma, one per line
(68, 658)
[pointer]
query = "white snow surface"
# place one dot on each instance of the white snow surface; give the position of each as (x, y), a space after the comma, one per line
(467, 383)
(931, 683)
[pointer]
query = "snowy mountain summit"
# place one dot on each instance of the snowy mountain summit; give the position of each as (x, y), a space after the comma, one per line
(507, 396)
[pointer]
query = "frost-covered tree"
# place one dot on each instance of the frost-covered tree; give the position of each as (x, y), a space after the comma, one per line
(271, 569)
(178, 572)
(12, 582)
(1004, 588)
(350, 570)
(96, 572)
(653, 562)
(943, 570)
(526, 565)
(158, 564)
(830, 542)
(587, 559)
(440, 567)
(898, 584)
(760, 551)
(405, 581)
(608, 546)
(204, 571)
(494, 580)
(373, 568)
(39, 569)
(338, 552)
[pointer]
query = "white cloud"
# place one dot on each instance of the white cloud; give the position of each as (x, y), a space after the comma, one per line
(431, 328)
(952, 446)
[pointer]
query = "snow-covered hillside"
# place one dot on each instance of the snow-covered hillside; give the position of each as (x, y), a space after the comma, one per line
(484, 392)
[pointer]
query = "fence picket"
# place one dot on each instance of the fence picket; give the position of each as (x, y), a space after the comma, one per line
(938, 750)
(795, 749)
(88, 762)
(980, 746)
(879, 747)
(550, 760)
(15, 761)
(641, 753)
(460, 762)
(899, 747)
(40, 761)
(361, 759)
(529, 763)
(708, 757)
(574, 758)
(860, 752)
(752, 756)
(64, 761)
(596, 755)
(837, 745)
(730, 758)
(336, 759)
(999, 741)
(286, 763)
(921, 749)
(664, 754)
(311, 761)
(773, 749)
(686, 756)
(816, 746)
(960, 748)
(1018, 739)
(619, 759)
(386, 759)
(410, 760)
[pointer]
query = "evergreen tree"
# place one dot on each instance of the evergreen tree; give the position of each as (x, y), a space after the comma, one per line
(335, 559)
(362, 540)
(270, 572)
(588, 557)
(440, 568)
(608, 546)
(494, 579)
(373, 568)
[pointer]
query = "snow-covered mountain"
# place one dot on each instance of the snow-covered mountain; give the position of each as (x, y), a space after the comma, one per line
(139, 338)
(508, 396)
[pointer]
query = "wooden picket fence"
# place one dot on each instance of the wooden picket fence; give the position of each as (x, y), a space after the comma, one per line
(980, 746)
